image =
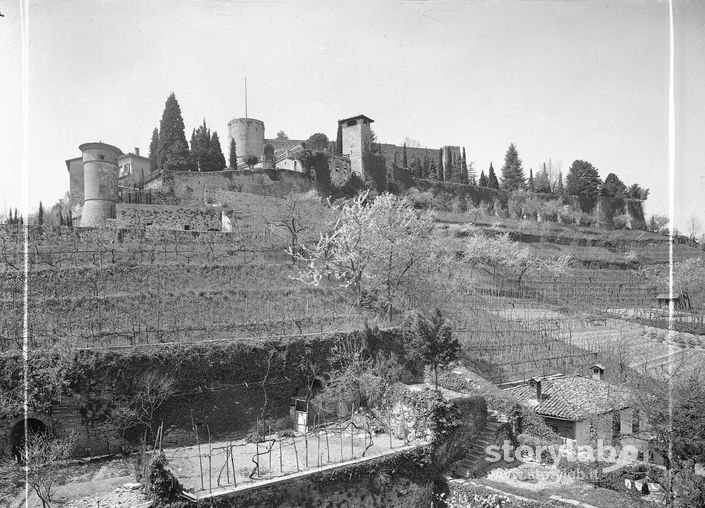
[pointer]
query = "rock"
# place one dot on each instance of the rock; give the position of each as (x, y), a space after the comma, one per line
(132, 486)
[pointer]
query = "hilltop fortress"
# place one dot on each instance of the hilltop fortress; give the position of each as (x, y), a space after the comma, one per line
(112, 188)
(109, 187)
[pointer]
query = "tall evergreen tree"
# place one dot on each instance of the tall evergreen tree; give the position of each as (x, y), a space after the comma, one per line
(560, 190)
(215, 155)
(233, 154)
(492, 181)
(531, 180)
(512, 172)
(203, 139)
(542, 183)
(154, 151)
(483, 180)
(583, 181)
(193, 154)
(173, 152)
(432, 171)
(440, 169)
(464, 170)
(404, 160)
(426, 168)
(613, 187)
(40, 214)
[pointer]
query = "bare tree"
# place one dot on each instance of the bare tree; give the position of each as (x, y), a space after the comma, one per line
(41, 457)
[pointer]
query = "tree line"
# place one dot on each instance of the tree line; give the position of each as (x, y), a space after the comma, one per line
(582, 180)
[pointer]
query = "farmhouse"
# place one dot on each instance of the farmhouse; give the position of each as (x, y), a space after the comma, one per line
(578, 408)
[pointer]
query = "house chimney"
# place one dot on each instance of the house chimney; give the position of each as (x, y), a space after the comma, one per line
(598, 372)
(535, 382)
(137, 150)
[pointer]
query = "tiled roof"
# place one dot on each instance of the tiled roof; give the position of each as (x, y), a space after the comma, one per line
(573, 398)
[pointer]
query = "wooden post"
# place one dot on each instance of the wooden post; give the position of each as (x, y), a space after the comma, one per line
(198, 444)
(227, 466)
(306, 443)
(281, 461)
(352, 441)
(293, 440)
(232, 463)
(341, 445)
(257, 456)
(318, 448)
(327, 445)
(210, 454)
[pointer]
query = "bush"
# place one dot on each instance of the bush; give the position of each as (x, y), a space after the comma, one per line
(163, 485)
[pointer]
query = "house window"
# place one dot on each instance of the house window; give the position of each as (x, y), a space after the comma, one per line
(616, 424)
(351, 123)
(101, 157)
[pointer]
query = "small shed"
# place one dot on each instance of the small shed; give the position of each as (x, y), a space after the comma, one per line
(681, 301)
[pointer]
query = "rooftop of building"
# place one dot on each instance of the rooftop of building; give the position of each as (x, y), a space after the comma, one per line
(358, 117)
(572, 397)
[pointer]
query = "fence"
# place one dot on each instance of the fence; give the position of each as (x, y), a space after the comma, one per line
(210, 465)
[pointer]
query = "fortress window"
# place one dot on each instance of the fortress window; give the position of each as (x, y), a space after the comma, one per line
(101, 157)
(351, 123)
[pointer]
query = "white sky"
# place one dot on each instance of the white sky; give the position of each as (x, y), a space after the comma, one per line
(561, 79)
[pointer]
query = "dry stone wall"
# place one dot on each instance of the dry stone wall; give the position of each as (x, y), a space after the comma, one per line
(171, 217)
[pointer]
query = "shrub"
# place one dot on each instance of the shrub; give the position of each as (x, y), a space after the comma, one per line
(163, 485)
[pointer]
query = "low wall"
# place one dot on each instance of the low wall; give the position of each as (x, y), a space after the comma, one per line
(404, 479)
(170, 217)
(188, 187)
(227, 385)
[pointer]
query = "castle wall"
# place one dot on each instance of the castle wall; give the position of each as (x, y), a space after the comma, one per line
(171, 217)
(187, 187)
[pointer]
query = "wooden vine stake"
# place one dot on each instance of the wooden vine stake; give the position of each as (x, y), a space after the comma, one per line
(281, 460)
(293, 440)
(232, 463)
(306, 443)
(198, 444)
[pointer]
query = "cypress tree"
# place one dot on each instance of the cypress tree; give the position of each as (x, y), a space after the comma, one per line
(492, 181)
(464, 174)
(440, 170)
(512, 172)
(173, 152)
(40, 214)
(217, 160)
(404, 161)
(233, 154)
(531, 180)
(61, 218)
(153, 151)
(69, 218)
(483, 180)
(193, 155)
(432, 172)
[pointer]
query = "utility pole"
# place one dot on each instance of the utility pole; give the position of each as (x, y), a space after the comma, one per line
(245, 96)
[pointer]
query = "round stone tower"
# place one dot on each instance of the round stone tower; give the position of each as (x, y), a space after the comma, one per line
(100, 183)
(248, 134)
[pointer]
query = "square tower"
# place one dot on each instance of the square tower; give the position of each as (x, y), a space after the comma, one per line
(356, 136)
